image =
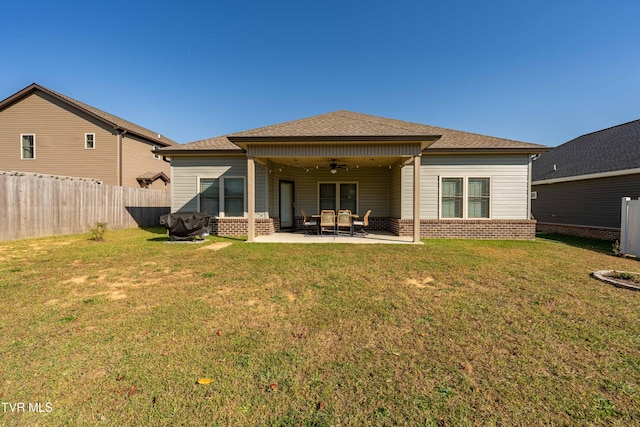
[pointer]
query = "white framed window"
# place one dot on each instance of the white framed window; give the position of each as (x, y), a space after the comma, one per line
(338, 195)
(27, 146)
(224, 196)
(156, 155)
(465, 197)
(89, 141)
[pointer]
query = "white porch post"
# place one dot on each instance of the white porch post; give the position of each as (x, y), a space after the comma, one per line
(251, 199)
(416, 198)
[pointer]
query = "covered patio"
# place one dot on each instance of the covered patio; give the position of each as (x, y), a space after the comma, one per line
(365, 162)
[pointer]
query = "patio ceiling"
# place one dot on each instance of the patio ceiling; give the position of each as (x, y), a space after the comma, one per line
(324, 162)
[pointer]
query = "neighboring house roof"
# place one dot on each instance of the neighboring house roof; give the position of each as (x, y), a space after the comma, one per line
(150, 177)
(345, 124)
(109, 119)
(595, 154)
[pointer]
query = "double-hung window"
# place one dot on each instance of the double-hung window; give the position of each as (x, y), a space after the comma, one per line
(89, 141)
(27, 146)
(210, 196)
(222, 196)
(465, 197)
(338, 195)
(233, 196)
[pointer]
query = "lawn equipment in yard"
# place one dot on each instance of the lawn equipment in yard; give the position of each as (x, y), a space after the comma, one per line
(186, 225)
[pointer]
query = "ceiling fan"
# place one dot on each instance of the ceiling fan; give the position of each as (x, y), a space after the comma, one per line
(334, 166)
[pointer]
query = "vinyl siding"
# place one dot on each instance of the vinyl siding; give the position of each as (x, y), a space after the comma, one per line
(509, 183)
(373, 188)
(60, 144)
(138, 159)
(186, 170)
(395, 195)
(590, 202)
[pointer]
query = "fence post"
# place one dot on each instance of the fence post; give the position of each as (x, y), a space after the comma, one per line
(624, 225)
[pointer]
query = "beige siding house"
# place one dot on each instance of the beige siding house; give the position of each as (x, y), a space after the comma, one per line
(418, 180)
(45, 132)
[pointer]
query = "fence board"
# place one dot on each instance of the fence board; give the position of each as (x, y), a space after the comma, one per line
(32, 206)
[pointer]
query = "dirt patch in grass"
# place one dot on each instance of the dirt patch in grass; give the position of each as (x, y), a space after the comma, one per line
(421, 283)
(215, 246)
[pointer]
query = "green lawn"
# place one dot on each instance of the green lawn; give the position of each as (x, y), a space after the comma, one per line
(451, 332)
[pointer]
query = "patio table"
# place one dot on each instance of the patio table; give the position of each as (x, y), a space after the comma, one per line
(318, 216)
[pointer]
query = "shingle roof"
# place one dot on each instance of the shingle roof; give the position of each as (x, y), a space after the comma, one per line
(612, 149)
(108, 118)
(347, 123)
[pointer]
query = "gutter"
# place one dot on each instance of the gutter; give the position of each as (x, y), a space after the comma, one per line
(588, 176)
(121, 133)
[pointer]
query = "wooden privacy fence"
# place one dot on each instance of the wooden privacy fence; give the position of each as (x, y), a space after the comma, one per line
(36, 206)
(630, 227)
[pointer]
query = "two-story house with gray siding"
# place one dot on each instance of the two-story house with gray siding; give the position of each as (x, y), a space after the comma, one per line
(45, 132)
(418, 180)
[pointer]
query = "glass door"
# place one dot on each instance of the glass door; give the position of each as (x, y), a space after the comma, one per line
(287, 205)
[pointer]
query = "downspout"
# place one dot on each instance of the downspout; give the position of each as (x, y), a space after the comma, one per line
(119, 155)
(529, 169)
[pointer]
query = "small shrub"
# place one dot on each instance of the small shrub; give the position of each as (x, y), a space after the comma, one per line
(98, 232)
(615, 248)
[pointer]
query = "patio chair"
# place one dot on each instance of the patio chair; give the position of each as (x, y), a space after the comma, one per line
(328, 219)
(361, 224)
(345, 220)
(310, 224)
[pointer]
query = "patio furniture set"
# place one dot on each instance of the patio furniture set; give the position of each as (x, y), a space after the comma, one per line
(330, 221)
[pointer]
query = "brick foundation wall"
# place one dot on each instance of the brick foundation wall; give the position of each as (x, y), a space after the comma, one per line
(602, 233)
(467, 229)
(232, 227)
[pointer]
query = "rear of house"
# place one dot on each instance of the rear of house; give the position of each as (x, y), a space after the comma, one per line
(417, 180)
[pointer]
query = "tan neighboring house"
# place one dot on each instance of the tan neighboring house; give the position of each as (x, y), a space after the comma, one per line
(43, 131)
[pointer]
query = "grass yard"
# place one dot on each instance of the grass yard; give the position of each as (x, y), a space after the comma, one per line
(451, 332)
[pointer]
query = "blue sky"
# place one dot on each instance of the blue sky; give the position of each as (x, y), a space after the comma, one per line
(536, 71)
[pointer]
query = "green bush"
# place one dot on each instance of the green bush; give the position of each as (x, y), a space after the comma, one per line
(98, 231)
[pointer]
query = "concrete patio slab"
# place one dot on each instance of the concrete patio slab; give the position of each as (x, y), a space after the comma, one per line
(377, 237)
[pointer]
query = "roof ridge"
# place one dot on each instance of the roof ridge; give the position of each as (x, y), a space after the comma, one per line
(602, 130)
(432, 126)
(369, 118)
(275, 126)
